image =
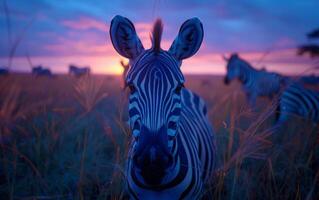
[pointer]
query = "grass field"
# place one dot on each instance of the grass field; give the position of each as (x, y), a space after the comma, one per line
(66, 138)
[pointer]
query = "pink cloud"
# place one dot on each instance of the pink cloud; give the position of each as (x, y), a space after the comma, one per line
(285, 42)
(85, 23)
(80, 48)
(75, 43)
(86, 46)
(144, 26)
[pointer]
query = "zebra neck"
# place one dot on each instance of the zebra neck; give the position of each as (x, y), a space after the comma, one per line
(245, 74)
(244, 77)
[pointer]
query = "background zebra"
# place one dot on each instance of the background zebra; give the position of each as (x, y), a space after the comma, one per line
(41, 71)
(255, 82)
(300, 101)
(172, 149)
(79, 71)
(4, 71)
(310, 79)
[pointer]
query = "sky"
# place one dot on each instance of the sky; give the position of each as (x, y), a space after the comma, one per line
(58, 33)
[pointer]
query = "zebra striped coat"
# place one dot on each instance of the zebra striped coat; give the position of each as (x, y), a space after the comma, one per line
(255, 82)
(297, 100)
(193, 149)
(172, 148)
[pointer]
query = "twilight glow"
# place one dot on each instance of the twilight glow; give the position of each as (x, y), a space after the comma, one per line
(56, 34)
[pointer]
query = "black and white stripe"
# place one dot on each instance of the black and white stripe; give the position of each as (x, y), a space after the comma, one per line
(255, 82)
(172, 152)
(297, 100)
(155, 85)
(193, 157)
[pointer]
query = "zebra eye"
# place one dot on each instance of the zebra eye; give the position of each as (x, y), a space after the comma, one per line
(178, 89)
(172, 125)
(136, 129)
(137, 125)
(132, 88)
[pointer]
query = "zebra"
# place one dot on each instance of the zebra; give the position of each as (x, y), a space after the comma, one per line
(79, 71)
(297, 100)
(254, 82)
(172, 151)
(310, 79)
(40, 71)
(4, 71)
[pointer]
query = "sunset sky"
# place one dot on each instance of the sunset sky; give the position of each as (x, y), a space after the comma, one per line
(58, 33)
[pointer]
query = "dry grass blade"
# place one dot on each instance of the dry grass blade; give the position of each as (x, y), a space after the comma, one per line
(12, 108)
(9, 107)
(252, 141)
(8, 21)
(77, 146)
(89, 92)
(14, 44)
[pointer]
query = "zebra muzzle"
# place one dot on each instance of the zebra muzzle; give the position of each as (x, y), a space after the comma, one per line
(152, 164)
(152, 155)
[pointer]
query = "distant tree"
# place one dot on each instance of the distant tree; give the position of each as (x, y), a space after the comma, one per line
(311, 49)
(313, 34)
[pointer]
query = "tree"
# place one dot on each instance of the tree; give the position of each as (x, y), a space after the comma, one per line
(311, 49)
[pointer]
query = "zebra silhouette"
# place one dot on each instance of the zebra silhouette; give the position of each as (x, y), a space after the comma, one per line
(297, 100)
(79, 71)
(41, 71)
(172, 151)
(255, 83)
(4, 71)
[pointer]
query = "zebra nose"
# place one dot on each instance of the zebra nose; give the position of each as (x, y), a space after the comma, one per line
(226, 80)
(152, 156)
(152, 148)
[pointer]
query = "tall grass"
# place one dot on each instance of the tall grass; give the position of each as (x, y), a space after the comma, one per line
(55, 154)
(67, 138)
(251, 152)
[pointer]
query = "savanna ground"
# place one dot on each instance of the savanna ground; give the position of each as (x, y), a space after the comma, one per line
(66, 138)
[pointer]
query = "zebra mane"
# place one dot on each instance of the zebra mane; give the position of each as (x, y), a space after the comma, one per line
(234, 56)
(157, 35)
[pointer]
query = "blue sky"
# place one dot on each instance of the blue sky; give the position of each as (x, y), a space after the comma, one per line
(79, 28)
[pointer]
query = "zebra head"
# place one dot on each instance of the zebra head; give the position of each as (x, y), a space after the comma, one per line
(155, 82)
(233, 69)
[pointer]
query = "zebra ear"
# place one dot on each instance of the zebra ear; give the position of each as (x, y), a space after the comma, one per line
(124, 38)
(189, 39)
